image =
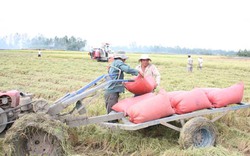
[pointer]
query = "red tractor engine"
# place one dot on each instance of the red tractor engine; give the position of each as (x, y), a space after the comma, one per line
(9, 99)
(13, 104)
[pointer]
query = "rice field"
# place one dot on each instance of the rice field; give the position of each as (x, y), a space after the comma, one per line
(59, 72)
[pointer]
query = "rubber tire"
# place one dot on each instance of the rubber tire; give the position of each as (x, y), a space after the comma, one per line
(17, 136)
(198, 132)
(3, 119)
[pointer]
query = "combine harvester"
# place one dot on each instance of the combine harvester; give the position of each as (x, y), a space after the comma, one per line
(101, 54)
(40, 128)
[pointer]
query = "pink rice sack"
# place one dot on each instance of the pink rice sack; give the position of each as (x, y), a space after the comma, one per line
(141, 85)
(153, 108)
(123, 105)
(223, 97)
(172, 94)
(190, 101)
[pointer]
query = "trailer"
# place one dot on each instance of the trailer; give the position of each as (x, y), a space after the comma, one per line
(41, 128)
(196, 130)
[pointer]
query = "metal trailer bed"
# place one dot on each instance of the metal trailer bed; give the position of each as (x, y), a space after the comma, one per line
(197, 131)
(194, 125)
(127, 125)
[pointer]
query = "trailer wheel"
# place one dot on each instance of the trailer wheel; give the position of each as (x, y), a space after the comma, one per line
(198, 132)
(35, 134)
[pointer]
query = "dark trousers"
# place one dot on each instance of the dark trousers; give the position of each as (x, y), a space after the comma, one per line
(110, 100)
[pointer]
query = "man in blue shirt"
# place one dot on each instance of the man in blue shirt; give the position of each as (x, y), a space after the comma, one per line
(117, 69)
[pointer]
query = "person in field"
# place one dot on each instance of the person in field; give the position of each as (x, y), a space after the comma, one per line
(116, 70)
(190, 64)
(148, 69)
(200, 62)
(39, 53)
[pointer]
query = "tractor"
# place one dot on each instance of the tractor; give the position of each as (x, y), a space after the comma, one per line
(101, 54)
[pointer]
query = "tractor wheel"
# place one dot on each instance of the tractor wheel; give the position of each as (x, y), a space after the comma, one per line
(36, 134)
(40, 106)
(198, 132)
(3, 120)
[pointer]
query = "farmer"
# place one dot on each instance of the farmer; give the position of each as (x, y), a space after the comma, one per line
(148, 69)
(39, 53)
(189, 64)
(200, 62)
(116, 70)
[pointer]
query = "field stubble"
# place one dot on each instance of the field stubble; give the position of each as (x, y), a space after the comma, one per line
(57, 73)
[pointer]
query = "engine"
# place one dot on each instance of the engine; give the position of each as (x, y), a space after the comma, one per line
(12, 105)
(9, 99)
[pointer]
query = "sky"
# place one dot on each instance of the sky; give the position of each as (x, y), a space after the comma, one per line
(207, 24)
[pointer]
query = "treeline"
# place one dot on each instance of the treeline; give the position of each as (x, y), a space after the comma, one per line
(21, 41)
(243, 53)
(173, 50)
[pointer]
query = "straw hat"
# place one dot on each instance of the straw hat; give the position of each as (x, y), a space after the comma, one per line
(145, 57)
(121, 56)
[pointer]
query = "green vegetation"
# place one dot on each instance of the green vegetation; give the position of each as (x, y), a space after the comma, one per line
(243, 53)
(21, 41)
(58, 72)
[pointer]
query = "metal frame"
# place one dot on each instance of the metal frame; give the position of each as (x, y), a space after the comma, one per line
(82, 93)
(164, 121)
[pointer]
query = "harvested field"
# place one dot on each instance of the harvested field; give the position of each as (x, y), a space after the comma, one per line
(58, 72)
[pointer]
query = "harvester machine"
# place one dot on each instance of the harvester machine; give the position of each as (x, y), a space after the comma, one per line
(101, 54)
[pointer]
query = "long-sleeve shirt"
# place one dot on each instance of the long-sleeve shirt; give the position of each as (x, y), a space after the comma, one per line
(189, 62)
(117, 69)
(151, 70)
(200, 61)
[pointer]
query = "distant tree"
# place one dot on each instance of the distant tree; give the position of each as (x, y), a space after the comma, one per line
(3, 43)
(243, 53)
(16, 41)
(76, 44)
(38, 42)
